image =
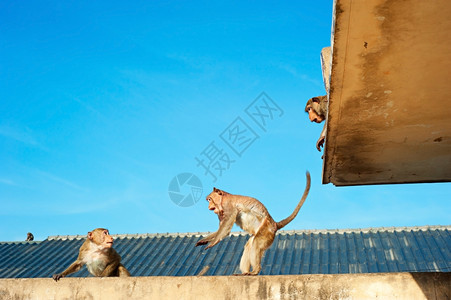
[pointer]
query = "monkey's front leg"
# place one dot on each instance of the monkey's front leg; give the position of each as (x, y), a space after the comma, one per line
(74, 267)
(122, 271)
(206, 239)
(211, 236)
(322, 138)
(110, 269)
(320, 143)
(225, 226)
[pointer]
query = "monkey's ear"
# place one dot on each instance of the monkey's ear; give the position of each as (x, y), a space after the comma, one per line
(220, 193)
(315, 99)
(90, 235)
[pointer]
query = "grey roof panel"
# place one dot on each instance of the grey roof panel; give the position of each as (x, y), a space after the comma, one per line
(413, 249)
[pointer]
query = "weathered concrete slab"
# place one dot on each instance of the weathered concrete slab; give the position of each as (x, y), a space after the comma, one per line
(346, 286)
(389, 108)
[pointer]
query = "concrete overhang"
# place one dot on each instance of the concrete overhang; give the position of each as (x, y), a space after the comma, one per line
(390, 89)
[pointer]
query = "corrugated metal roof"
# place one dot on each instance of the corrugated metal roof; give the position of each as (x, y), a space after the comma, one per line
(407, 249)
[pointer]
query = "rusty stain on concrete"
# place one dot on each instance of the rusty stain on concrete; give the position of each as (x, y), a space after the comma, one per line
(382, 93)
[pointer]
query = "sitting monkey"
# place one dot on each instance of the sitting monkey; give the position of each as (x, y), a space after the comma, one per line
(30, 237)
(99, 256)
(316, 108)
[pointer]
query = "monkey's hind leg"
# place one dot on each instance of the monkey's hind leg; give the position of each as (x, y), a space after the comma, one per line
(122, 271)
(262, 241)
(245, 263)
(256, 255)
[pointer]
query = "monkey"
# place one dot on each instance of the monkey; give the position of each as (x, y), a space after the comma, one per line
(251, 216)
(30, 237)
(99, 256)
(316, 108)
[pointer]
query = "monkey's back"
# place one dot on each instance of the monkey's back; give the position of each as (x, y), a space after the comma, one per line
(251, 213)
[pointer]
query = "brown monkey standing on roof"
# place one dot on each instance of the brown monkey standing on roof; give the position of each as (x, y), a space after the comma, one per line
(99, 256)
(252, 216)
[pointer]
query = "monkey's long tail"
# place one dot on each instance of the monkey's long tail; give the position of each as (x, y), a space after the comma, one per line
(293, 215)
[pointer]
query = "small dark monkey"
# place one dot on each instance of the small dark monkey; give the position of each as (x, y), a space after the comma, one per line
(30, 237)
(99, 256)
(316, 108)
(252, 216)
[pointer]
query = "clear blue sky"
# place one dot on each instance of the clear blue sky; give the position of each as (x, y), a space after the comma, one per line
(103, 103)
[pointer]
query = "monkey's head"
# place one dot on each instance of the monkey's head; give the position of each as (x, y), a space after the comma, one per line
(214, 199)
(316, 108)
(101, 237)
(30, 236)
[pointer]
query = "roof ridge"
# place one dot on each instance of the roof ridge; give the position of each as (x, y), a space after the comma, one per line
(238, 233)
(20, 242)
(369, 229)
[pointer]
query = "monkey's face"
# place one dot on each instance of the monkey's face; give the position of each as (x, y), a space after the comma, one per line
(212, 198)
(102, 237)
(108, 239)
(313, 110)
